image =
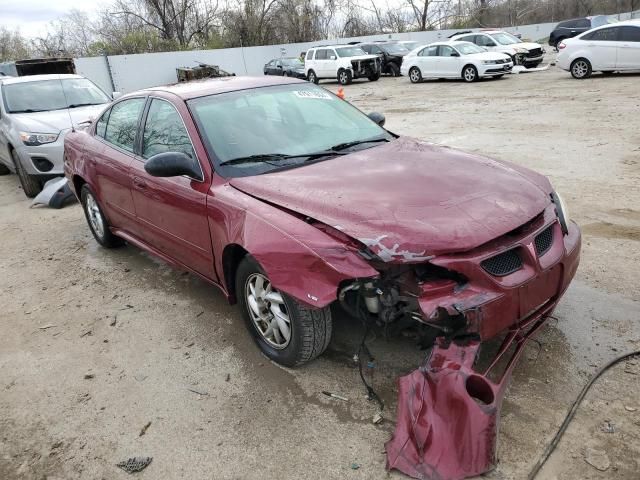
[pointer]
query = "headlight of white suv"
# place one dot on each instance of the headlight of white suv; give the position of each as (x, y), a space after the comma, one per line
(561, 211)
(35, 139)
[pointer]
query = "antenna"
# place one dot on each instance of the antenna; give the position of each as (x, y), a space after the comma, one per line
(66, 103)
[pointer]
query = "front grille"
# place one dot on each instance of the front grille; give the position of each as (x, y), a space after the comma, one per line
(503, 263)
(535, 52)
(544, 241)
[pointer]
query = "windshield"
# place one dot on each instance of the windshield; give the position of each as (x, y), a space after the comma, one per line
(468, 48)
(350, 51)
(600, 20)
(504, 38)
(395, 48)
(410, 45)
(298, 119)
(45, 95)
(293, 62)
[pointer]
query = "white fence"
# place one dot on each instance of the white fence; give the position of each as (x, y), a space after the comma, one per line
(133, 72)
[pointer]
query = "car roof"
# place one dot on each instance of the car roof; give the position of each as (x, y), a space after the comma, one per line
(453, 43)
(35, 78)
(214, 86)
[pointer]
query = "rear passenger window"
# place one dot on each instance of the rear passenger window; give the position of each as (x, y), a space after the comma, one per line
(164, 131)
(630, 34)
(582, 23)
(321, 54)
(123, 123)
(429, 51)
(446, 51)
(603, 35)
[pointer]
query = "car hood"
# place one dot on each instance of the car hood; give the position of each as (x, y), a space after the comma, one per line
(54, 121)
(362, 57)
(407, 200)
(527, 45)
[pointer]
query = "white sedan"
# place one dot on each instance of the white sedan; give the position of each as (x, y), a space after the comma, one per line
(454, 60)
(607, 49)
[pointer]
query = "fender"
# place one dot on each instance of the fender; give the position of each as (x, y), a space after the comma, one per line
(298, 258)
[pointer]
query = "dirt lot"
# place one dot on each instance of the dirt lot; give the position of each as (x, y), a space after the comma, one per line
(96, 344)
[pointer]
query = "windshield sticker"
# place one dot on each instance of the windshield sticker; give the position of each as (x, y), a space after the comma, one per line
(313, 94)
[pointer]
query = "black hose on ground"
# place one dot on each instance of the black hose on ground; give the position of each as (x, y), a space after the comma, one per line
(572, 412)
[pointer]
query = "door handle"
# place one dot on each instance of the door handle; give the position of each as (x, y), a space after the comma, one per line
(139, 184)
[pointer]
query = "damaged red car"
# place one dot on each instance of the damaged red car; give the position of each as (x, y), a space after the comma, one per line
(290, 199)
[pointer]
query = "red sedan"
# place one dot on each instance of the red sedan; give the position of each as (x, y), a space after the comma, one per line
(290, 199)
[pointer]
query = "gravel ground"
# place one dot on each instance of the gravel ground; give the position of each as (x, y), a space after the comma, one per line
(98, 344)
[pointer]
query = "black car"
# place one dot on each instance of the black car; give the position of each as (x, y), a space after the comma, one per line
(575, 26)
(287, 67)
(390, 53)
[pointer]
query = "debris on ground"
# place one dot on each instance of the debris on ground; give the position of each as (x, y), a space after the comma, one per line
(377, 418)
(608, 427)
(629, 408)
(598, 459)
(89, 376)
(228, 377)
(335, 395)
(144, 429)
(48, 325)
(198, 392)
(135, 464)
(88, 333)
(55, 194)
(355, 466)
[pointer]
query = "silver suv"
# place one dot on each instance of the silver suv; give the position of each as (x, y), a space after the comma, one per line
(35, 114)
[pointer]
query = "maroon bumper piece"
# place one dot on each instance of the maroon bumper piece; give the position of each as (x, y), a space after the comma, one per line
(448, 414)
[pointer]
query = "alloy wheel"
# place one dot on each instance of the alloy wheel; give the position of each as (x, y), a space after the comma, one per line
(414, 75)
(95, 217)
(469, 74)
(580, 69)
(268, 311)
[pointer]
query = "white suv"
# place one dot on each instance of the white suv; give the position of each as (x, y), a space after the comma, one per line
(528, 54)
(341, 62)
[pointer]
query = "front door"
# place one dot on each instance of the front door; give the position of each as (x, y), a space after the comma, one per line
(427, 61)
(171, 211)
(629, 48)
(603, 46)
(449, 61)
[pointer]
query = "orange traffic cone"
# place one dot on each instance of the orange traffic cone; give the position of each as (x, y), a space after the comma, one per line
(340, 93)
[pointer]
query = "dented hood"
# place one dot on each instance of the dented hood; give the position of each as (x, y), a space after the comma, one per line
(408, 199)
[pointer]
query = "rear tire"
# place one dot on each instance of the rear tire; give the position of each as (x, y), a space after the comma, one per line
(374, 78)
(98, 223)
(31, 186)
(309, 328)
(581, 68)
(312, 77)
(344, 77)
(470, 74)
(415, 75)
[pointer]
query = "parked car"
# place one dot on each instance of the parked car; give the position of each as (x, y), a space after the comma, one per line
(390, 54)
(285, 67)
(35, 114)
(409, 44)
(341, 62)
(607, 49)
(528, 54)
(256, 185)
(575, 26)
(455, 60)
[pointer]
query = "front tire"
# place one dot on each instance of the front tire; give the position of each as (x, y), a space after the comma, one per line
(415, 75)
(581, 68)
(345, 77)
(287, 331)
(394, 70)
(98, 223)
(375, 77)
(470, 74)
(31, 186)
(312, 77)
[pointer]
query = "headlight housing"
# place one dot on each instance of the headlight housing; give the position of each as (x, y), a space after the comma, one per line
(561, 211)
(36, 139)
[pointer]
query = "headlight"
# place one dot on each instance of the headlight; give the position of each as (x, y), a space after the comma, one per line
(35, 139)
(561, 211)
(489, 62)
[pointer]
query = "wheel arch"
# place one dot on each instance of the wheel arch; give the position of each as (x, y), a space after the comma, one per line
(232, 255)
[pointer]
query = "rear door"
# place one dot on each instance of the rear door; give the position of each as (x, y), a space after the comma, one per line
(171, 211)
(427, 61)
(629, 48)
(448, 63)
(111, 155)
(603, 47)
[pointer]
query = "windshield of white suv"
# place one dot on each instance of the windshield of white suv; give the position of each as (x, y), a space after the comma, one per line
(504, 38)
(468, 48)
(350, 51)
(45, 95)
(254, 131)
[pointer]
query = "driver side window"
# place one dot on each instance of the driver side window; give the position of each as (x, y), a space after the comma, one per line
(164, 131)
(446, 51)
(485, 41)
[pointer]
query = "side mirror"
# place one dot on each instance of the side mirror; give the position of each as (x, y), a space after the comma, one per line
(455, 54)
(279, 66)
(116, 95)
(332, 57)
(172, 164)
(378, 118)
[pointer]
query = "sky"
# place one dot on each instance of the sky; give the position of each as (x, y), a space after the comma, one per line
(31, 17)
